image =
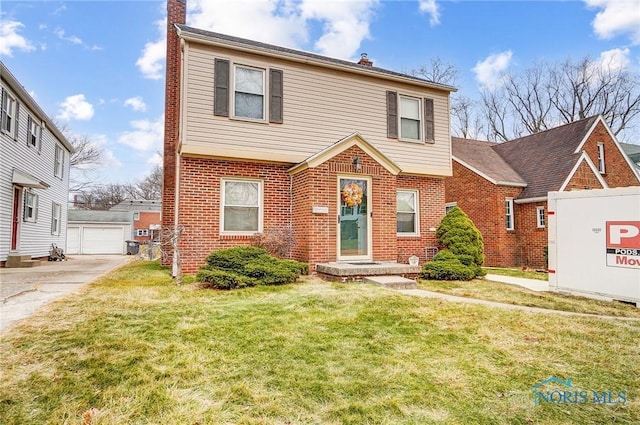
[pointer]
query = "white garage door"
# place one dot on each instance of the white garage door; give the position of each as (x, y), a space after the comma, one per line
(73, 240)
(103, 240)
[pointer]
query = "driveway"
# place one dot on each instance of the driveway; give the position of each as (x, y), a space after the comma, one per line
(24, 290)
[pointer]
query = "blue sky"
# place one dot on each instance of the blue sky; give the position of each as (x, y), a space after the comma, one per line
(97, 67)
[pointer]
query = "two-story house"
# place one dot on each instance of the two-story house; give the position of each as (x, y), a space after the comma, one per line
(503, 187)
(146, 217)
(34, 177)
(350, 157)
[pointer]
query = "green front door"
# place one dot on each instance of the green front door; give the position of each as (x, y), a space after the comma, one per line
(354, 219)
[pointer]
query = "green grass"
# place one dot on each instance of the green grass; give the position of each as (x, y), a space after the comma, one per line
(528, 274)
(512, 294)
(139, 350)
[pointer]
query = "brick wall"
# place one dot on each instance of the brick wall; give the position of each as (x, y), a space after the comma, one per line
(176, 13)
(147, 218)
(531, 238)
(583, 179)
(617, 170)
(484, 203)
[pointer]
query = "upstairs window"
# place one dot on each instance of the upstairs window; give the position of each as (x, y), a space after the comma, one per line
(508, 203)
(33, 133)
(249, 93)
(252, 92)
(9, 114)
(601, 158)
(58, 162)
(540, 218)
(409, 118)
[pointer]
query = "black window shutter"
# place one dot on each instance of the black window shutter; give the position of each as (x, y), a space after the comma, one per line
(15, 125)
(275, 96)
(3, 111)
(392, 114)
(428, 120)
(29, 130)
(221, 88)
(39, 136)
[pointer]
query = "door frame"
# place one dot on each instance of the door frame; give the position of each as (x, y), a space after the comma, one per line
(15, 219)
(369, 255)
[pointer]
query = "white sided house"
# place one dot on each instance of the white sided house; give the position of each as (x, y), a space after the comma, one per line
(34, 177)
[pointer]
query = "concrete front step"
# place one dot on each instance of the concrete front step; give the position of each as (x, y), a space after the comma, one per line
(21, 261)
(393, 282)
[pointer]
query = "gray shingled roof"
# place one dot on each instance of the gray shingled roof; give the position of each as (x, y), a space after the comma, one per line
(545, 159)
(481, 156)
(93, 216)
(633, 152)
(138, 205)
(257, 45)
(542, 160)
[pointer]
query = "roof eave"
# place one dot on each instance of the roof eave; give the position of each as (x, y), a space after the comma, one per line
(315, 60)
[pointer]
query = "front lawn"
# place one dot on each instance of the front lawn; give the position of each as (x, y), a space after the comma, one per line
(135, 349)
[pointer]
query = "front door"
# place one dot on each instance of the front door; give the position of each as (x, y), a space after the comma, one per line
(354, 230)
(15, 219)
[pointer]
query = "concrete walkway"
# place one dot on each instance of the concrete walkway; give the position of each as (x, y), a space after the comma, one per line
(532, 284)
(25, 290)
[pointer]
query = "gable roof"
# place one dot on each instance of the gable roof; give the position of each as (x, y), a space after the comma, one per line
(354, 139)
(545, 159)
(480, 158)
(632, 152)
(243, 44)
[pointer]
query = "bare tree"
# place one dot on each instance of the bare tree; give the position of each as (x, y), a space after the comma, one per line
(171, 251)
(437, 71)
(545, 96)
(86, 157)
(102, 197)
(465, 121)
(151, 186)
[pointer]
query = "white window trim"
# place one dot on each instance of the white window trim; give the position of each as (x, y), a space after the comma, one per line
(34, 207)
(449, 206)
(540, 214)
(260, 206)
(11, 101)
(136, 215)
(601, 167)
(265, 94)
(142, 232)
(58, 161)
(36, 131)
(420, 119)
(56, 215)
(416, 206)
(509, 218)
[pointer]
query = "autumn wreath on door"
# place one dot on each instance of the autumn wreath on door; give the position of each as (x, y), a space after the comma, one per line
(352, 194)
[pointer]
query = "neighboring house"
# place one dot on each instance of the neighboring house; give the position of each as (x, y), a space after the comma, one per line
(633, 152)
(99, 232)
(146, 218)
(34, 177)
(350, 157)
(503, 186)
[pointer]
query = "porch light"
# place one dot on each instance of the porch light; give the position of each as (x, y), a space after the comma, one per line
(357, 165)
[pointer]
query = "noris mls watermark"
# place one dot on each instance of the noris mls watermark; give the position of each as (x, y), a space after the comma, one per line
(556, 391)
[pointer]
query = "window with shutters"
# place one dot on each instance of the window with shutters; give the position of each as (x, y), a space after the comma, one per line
(30, 210)
(241, 206)
(8, 113)
(249, 92)
(33, 133)
(58, 162)
(410, 118)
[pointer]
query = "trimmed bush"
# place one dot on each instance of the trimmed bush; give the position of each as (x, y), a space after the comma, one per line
(244, 266)
(464, 253)
(220, 279)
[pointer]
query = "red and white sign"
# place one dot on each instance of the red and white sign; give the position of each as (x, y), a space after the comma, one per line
(623, 244)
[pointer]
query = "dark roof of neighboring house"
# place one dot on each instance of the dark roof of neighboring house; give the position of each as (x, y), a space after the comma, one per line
(306, 56)
(543, 160)
(483, 158)
(94, 216)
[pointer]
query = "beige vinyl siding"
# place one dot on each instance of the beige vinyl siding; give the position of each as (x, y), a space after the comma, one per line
(320, 107)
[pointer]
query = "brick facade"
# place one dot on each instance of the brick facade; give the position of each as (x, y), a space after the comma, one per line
(145, 220)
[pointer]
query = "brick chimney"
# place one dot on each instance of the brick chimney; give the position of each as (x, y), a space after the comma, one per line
(176, 14)
(364, 60)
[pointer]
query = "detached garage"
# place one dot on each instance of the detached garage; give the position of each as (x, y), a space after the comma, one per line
(98, 232)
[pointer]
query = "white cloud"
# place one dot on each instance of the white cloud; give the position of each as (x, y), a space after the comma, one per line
(145, 136)
(489, 71)
(136, 103)
(345, 24)
(75, 107)
(155, 159)
(10, 39)
(617, 17)
(60, 33)
(615, 59)
(430, 7)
